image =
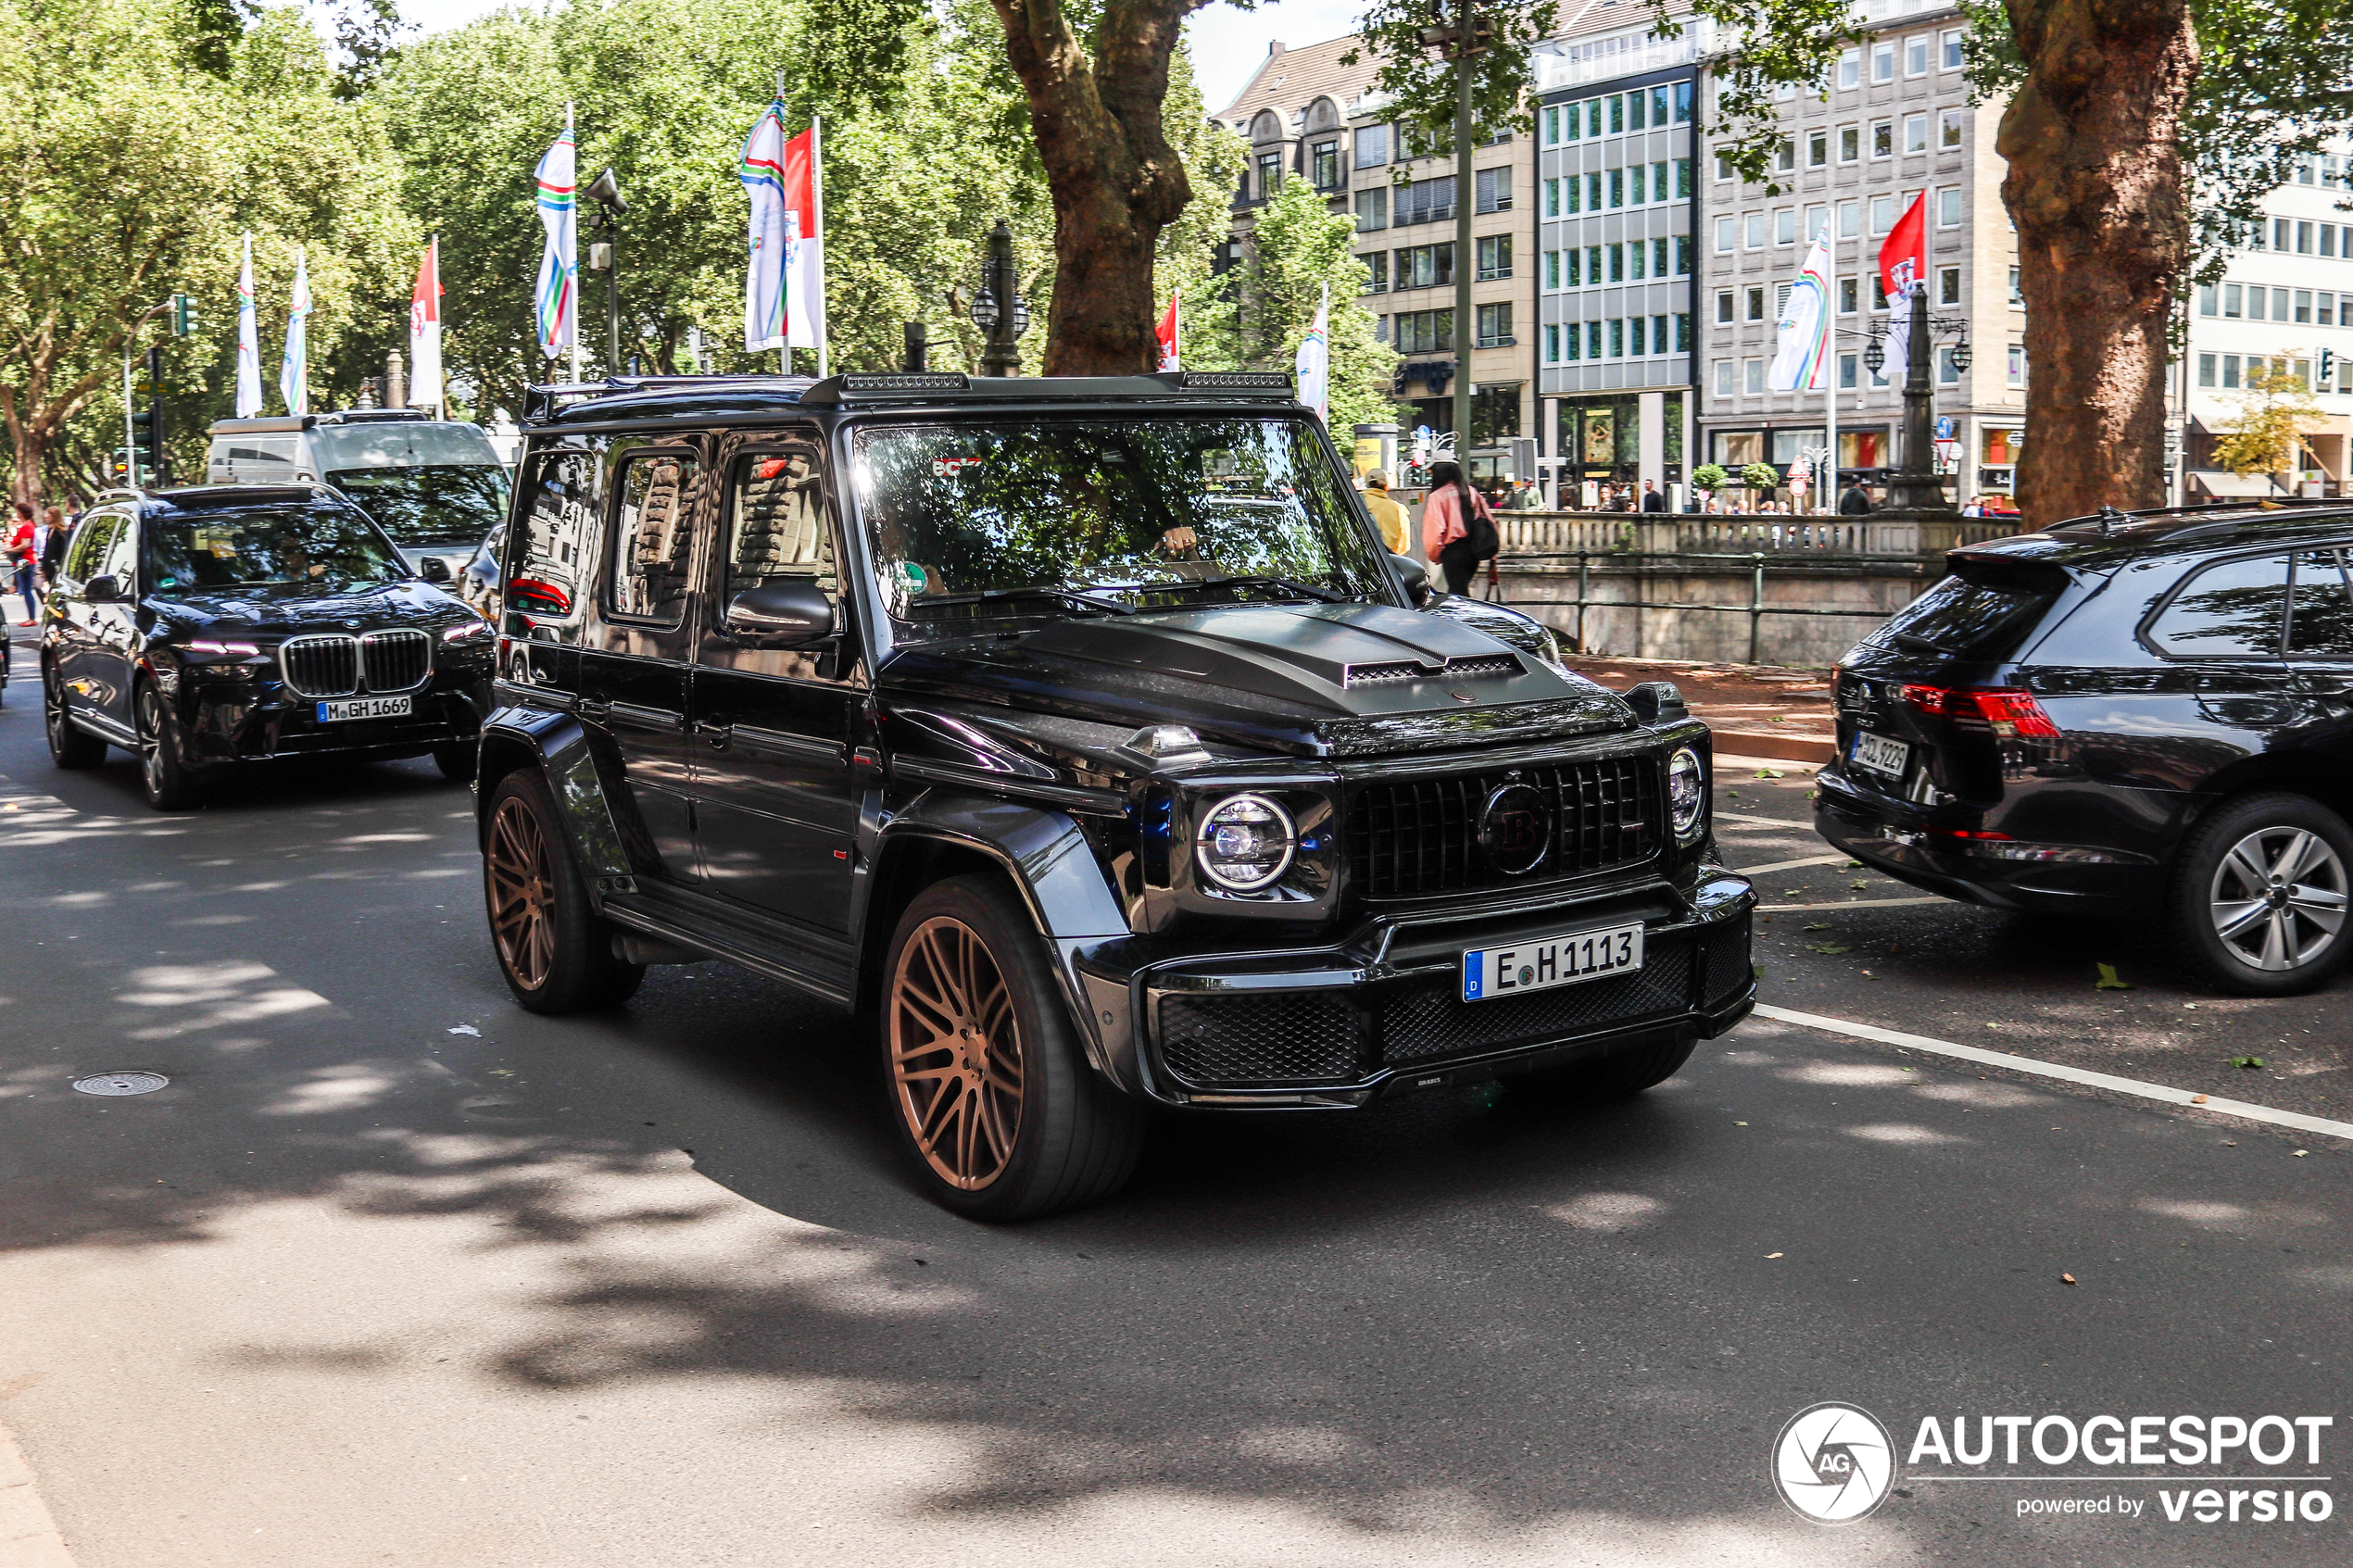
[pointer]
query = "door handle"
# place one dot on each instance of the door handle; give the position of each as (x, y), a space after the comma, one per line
(593, 707)
(717, 735)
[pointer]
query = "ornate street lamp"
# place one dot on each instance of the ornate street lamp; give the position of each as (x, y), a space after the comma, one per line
(604, 256)
(1875, 354)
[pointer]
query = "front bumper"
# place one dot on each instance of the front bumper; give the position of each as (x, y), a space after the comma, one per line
(1380, 1012)
(239, 726)
(1914, 845)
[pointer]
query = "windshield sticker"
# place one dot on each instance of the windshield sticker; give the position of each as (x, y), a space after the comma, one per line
(947, 468)
(913, 578)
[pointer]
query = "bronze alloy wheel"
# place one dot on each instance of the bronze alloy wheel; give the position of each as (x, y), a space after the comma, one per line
(522, 892)
(955, 1053)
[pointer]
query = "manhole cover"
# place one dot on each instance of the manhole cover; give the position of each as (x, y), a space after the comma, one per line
(122, 1084)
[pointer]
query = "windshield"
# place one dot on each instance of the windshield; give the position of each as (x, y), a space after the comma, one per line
(428, 506)
(314, 547)
(1141, 514)
(402, 443)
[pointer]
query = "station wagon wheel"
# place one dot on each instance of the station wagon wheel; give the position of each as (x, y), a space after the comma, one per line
(2262, 893)
(987, 1077)
(554, 952)
(68, 746)
(162, 776)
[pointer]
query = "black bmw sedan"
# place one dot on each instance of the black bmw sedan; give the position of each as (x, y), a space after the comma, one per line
(2133, 714)
(216, 626)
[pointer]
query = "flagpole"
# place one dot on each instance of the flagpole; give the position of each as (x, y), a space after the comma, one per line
(1829, 493)
(572, 262)
(817, 200)
(784, 353)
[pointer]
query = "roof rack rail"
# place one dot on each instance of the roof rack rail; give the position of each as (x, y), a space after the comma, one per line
(541, 401)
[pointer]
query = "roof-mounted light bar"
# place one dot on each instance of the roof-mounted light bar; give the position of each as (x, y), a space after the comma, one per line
(907, 381)
(1228, 381)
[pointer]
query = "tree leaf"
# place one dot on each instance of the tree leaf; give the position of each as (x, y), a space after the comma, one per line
(2108, 980)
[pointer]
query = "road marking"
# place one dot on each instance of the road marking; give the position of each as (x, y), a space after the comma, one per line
(2238, 1108)
(1853, 903)
(29, 1537)
(1747, 820)
(1838, 859)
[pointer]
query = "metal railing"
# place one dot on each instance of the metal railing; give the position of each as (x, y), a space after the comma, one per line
(1756, 610)
(1794, 535)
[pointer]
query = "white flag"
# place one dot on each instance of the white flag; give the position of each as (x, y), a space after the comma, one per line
(425, 332)
(248, 342)
(294, 371)
(1804, 325)
(1314, 362)
(763, 177)
(557, 294)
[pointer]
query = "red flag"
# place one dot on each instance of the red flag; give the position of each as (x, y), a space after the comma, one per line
(804, 245)
(425, 332)
(1903, 260)
(1166, 333)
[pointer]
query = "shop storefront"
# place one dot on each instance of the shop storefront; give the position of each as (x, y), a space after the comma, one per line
(1862, 452)
(1997, 449)
(1599, 441)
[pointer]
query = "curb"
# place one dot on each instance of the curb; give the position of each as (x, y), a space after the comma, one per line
(1783, 748)
(29, 1537)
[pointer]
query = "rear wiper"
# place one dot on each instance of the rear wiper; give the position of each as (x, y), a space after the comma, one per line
(1288, 585)
(1071, 597)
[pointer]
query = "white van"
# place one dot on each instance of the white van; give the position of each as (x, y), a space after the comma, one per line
(435, 485)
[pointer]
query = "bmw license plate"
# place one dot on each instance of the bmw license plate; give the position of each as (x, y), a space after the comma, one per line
(1489, 972)
(363, 708)
(1880, 754)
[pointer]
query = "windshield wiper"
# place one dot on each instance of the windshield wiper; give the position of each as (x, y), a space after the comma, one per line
(1253, 580)
(997, 596)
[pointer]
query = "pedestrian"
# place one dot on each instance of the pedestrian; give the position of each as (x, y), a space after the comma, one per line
(1458, 528)
(49, 548)
(1856, 502)
(20, 559)
(1651, 500)
(1388, 516)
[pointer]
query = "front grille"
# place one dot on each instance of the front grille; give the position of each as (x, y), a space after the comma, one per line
(1419, 836)
(1435, 1020)
(1729, 968)
(1285, 1037)
(321, 666)
(397, 660)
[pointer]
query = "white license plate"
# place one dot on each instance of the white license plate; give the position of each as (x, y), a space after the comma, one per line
(363, 707)
(1880, 754)
(1489, 972)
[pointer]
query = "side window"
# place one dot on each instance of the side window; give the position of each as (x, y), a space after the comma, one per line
(2236, 609)
(652, 551)
(550, 547)
(90, 541)
(776, 523)
(2322, 626)
(122, 556)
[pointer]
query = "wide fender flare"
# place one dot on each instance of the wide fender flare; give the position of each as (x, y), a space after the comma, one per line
(556, 744)
(1058, 874)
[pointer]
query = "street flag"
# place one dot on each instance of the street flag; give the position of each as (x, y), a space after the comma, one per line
(248, 342)
(1166, 334)
(424, 331)
(1315, 363)
(294, 371)
(559, 291)
(1804, 326)
(804, 246)
(763, 177)
(1903, 261)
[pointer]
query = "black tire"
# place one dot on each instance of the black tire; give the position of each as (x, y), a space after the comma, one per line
(69, 747)
(1619, 1075)
(2288, 923)
(555, 955)
(1074, 1139)
(164, 778)
(457, 759)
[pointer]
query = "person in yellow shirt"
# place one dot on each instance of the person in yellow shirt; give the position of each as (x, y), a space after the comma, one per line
(1387, 514)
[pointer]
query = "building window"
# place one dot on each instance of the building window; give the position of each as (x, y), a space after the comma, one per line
(1550, 127)
(1755, 237)
(1850, 142)
(2303, 304)
(1380, 329)
(1684, 333)
(1752, 376)
(1781, 299)
(1916, 132)
(1682, 177)
(2016, 298)
(1756, 302)
(1682, 255)
(1494, 257)
(1850, 69)
(1270, 175)
(1376, 271)
(1723, 378)
(1850, 219)
(1882, 214)
(1847, 364)
(1878, 286)
(2206, 370)
(1372, 146)
(1594, 192)
(1818, 149)
(1948, 285)
(2255, 293)
(1659, 181)
(1723, 307)
(1574, 258)
(1915, 55)
(1593, 117)
(1723, 165)
(1372, 209)
(1425, 267)
(1785, 156)
(1725, 231)
(1660, 105)
(1817, 222)
(1951, 43)
(1617, 263)
(1551, 269)
(1552, 343)
(1850, 295)
(1883, 62)
(1883, 138)
(1496, 326)
(1323, 163)
(1947, 373)
(2208, 300)
(2304, 239)
(1785, 226)
(2233, 304)
(1494, 189)
(1635, 337)
(1425, 331)
(1424, 201)
(1634, 268)
(2279, 233)
(1683, 103)
(1552, 199)
(1572, 189)
(1634, 115)
(1948, 129)
(1618, 187)
(1592, 340)
(1617, 337)
(1948, 207)
(1592, 264)
(2016, 366)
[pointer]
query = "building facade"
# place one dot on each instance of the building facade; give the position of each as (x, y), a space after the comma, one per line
(1617, 256)
(1892, 124)
(2285, 305)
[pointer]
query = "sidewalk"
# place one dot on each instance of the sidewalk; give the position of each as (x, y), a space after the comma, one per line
(1756, 709)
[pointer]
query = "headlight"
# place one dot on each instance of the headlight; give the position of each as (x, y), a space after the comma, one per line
(1686, 791)
(475, 630)
(1245, 842)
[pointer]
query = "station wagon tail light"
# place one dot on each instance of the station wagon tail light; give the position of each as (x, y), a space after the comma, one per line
(2006, 710)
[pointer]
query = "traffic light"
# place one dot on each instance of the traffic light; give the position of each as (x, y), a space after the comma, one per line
(2328, 366)
(145, 424)
(184, 315)
(119, 465)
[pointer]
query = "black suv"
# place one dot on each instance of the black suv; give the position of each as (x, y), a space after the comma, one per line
(2122, 715)
(209, 627)
(1078, 734)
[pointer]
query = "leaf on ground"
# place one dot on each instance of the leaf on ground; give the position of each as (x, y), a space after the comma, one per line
(1772, 1255)
(2249, 1062)
(1768, 772)
(1756, 971)
(2108, 980)
(1829, 949)
(1852, 866)
(1822, 927)
(1776, 718)
(1860, 886)
(467, 1029)
(2067, 1279)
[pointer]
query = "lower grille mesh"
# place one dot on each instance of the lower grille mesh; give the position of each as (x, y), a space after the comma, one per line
(1288, 1036)
(1435, 1020)
(1729, 967)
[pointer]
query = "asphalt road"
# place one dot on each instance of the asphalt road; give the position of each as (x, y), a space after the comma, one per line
(393, 1273)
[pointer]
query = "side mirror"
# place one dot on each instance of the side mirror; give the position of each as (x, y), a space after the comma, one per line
(432, 569)
(1416, 576)
(104, 589)
(1657, 702)
(781, 615)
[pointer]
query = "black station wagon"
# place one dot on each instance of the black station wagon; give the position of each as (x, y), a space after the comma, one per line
(222, 626)
(2128, 715)
(1080, 737)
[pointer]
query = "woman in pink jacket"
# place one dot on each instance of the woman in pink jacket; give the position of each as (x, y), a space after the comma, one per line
(1446, 518)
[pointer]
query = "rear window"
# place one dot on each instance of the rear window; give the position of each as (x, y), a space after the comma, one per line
(1978, 613)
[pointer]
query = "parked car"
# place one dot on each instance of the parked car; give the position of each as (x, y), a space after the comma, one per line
(2122, 715)
(212, 627)
(437, 486)
(1080, 737)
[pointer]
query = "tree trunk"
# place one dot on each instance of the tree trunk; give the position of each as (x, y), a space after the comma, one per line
(1115, 180)
(2096, 188)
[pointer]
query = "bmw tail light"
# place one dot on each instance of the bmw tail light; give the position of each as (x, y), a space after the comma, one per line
(2006, 710)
